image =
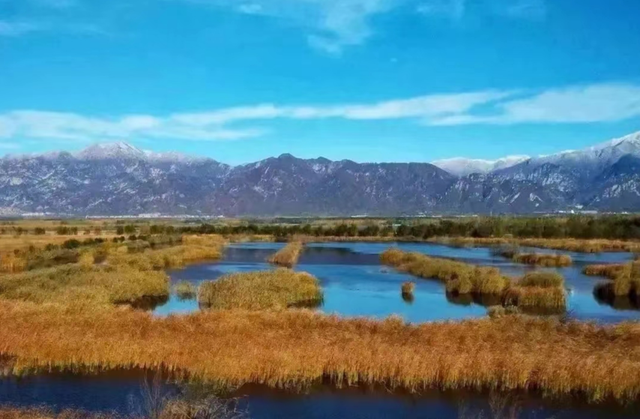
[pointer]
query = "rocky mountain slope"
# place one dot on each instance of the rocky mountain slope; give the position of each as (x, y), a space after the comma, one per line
(119, 179)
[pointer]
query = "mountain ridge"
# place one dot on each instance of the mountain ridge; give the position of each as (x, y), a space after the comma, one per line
(120, 179)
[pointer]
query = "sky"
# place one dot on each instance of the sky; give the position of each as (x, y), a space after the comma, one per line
(366, 80)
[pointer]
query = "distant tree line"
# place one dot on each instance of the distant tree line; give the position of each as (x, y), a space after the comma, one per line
(579, 227)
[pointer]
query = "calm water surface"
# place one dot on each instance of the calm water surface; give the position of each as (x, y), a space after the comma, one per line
(355, 284)
(122, 393)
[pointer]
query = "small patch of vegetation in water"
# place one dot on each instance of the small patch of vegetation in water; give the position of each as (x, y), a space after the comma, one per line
(408, 287)
(538, 259)
(538, 289)
(610, 271)
(459, 277)
(625, 285)
(287, 256)
(279, 289)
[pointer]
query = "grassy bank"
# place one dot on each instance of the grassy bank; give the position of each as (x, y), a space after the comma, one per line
(102, 272)
(84, 285)
(287, 256)
(269, 290)
(295, 348)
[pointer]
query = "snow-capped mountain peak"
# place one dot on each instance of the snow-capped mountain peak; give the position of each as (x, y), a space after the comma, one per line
(117, 150)
(461, 166)
(600, 155)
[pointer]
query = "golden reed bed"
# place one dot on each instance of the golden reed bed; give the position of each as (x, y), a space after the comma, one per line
(534, 290)
(295, 348)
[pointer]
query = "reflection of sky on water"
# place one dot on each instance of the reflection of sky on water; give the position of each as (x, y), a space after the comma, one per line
(355, 284)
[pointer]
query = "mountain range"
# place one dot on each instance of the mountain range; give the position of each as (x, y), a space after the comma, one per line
(120, 179)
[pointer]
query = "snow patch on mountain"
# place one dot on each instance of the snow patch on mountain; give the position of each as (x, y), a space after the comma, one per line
(461, 166)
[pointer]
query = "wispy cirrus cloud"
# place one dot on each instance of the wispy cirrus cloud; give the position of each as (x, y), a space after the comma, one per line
(459, 9)
(328, 25)
(607, 102)
(18, 28)
(332, 25)
(221, 124)
(43, 125)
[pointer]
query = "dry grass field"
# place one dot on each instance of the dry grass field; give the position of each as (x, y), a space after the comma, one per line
(294, 348)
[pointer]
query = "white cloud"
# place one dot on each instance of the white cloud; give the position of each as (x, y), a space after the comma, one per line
(17, 28)
(607, 102)
(419, 107)
(27, 124)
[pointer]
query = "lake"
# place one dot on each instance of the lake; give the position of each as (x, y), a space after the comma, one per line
(356, 284)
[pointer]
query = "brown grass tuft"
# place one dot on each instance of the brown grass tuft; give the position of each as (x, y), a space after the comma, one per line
(408, 288)
(543, 259)
(608, 271)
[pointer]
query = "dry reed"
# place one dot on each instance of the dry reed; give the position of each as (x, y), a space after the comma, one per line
(537, 289)
(458, 277)
(408, 288)
(296, 348)
(287, 256)
(279, 289)
(626, 283)
(573, 245)
(84, 285)
(543, 259)
(608, 271)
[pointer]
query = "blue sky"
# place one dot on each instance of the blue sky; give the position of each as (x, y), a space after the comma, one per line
(368, 80)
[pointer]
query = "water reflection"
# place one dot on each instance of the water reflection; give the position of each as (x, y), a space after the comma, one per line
(408, 297)
(149, 303)
(122, 392)
(484, 300)
(605, 295)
